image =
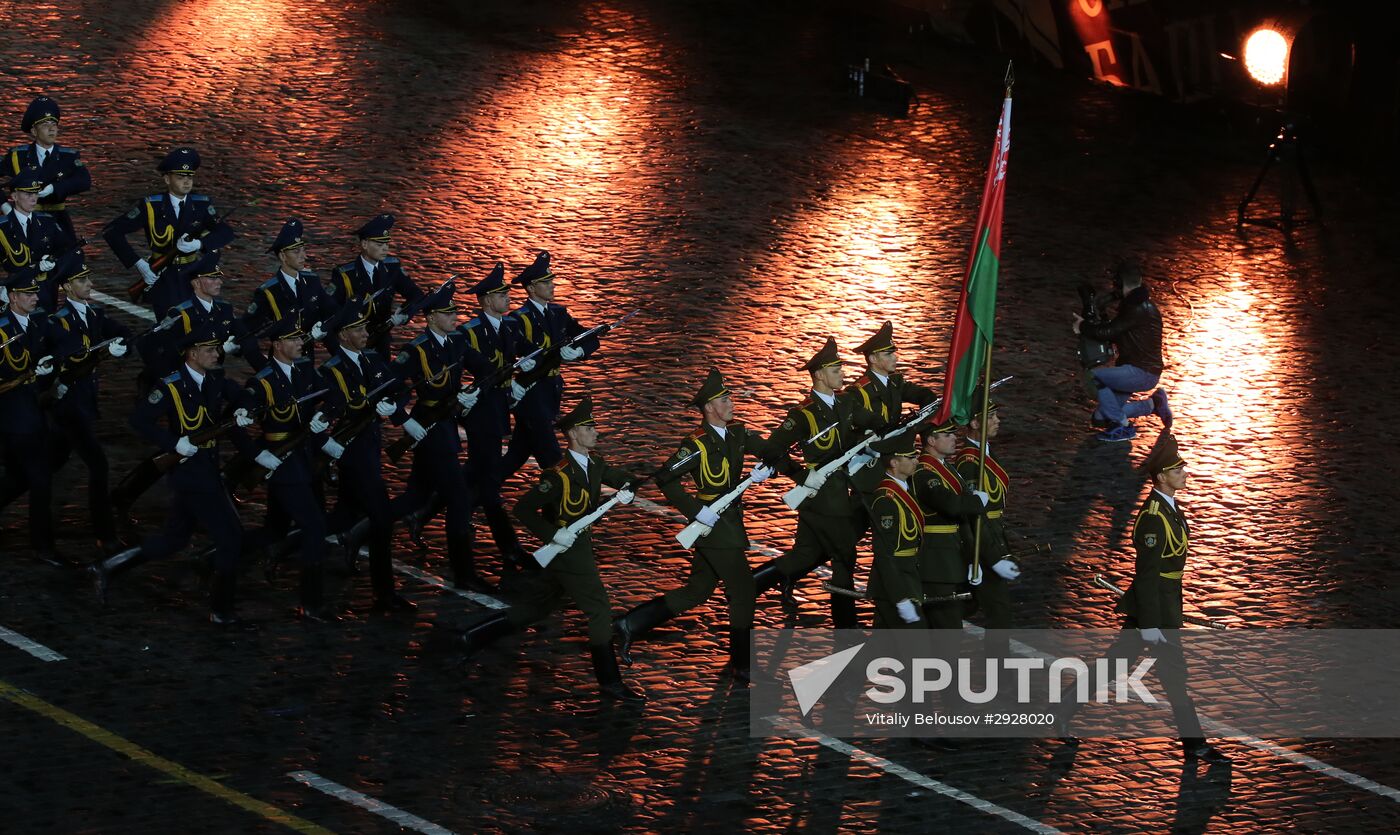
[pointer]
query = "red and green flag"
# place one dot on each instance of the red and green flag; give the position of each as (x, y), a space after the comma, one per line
(972, 331)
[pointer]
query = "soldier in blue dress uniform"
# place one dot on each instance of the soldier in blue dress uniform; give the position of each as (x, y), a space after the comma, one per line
(377, 274)
(61, 168)
(30, 238)
(26, 370)
(293, 291)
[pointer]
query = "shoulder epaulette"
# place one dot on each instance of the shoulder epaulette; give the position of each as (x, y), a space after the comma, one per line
(62, 150)
(474, 322)
(736, 424)
(697, 434)
(62, 312)
(198, 198)
(311, 274)
(562, 465)
(333, 362)
(171, 378)
(265, 373)
(269, 283)
(370, 352)
(302, 361)
(345, 268)
(558, 308)
(154, 198)
(417, 340)
(390, 259)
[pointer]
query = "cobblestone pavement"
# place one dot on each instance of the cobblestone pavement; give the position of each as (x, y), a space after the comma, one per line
(708, 166)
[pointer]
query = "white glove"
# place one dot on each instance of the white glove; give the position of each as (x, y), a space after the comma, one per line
(185, 448)
(983, 496)
(1006, 569)
(268, 461)
(4, 294)
(565, 538)
(517, 391)
(317, 332)
(385, 407)
(908, 612)
(1153, 635)
(864, 458)
(44, 367)
(46, 191)
(186, 244)
(118, 348)
(527, 365)
(242, 418)
(625, 496)
(467, 399)
(571, 354)
(230, 346)
(147, 274)
(333, 449)
(397, 318)
(707, 517)
(318, 423)
(760, 473)
(59, 390)
(5, 207)
(414, 429)
(814, 481)
(45, 264)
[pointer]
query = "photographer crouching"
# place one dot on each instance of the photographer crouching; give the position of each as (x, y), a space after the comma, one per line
(1136, 332)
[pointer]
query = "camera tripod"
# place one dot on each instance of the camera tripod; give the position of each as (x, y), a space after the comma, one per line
(1285, 146)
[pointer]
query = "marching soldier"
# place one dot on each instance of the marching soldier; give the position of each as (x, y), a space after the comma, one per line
(29, 237)
(432, 363)
(897, 531)
(720, 555)
(294, 291)
(193, 401)
(61, 168)
(81, 329)
(567, 492)
(542, 324)
(829, 523)
(379, 275)
(882, 391)
(285, 453)
(1152, 605)
(162, 355)
(946, 503)
(178, 225)
(995, 566)
(26, 363)
(492, 345)
(354, 373)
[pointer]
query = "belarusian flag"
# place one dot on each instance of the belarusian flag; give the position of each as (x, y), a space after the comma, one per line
(972, 331)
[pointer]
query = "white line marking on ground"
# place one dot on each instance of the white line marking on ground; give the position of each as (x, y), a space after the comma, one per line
(369, 804)
(124, 306)
(914, 777)
(34, 648)
(433, 580)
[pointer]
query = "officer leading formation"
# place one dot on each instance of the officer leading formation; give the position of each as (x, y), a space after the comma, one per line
(934, 507)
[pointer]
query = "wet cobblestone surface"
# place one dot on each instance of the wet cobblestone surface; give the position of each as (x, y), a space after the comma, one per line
(708, 167)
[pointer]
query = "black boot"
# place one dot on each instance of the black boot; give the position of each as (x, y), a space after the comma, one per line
(1199, 749)
(418, 518)
(349, 541)
(221, 603)
(464, 574)
(485, 632)
(638, 622)
(739, 655)
(768, 576)
(843, 612)
(103, 570)
(610, 682)
(312, 596)
(506, 541)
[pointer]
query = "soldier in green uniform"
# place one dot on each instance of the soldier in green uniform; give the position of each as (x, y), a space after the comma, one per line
(1152, 604)
(994, 564)
(716, 462)
(882, 391)
(946, 505)
(897, 533)
(566, 492)
(828, 523)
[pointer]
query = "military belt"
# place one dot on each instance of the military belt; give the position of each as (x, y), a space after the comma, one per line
(51, 207)
(182, 260)
(940, 528)
(907, 552)
(276, 436)
(1171, 575)
(431, 402)
(994, 514)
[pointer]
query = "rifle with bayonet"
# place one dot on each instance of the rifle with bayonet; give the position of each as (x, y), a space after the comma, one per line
(427, 417)
(137, 288)
(552, 357)
(408, 311)
(350, 426)
(697, 529)
(545, 554)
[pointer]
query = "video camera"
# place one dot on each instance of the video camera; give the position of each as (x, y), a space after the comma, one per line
(1092, 352)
